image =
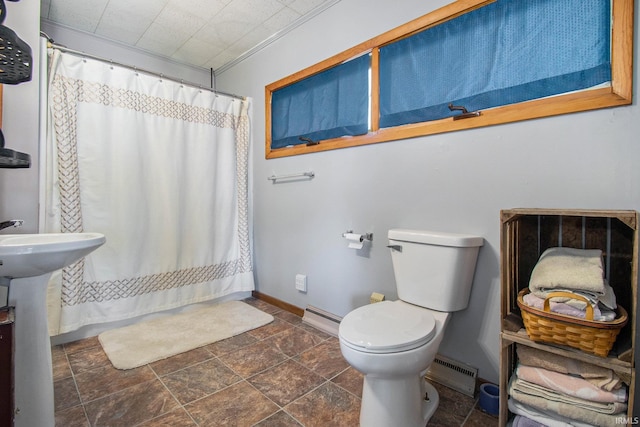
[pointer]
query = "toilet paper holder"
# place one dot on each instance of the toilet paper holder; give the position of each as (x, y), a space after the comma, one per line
(363, 237)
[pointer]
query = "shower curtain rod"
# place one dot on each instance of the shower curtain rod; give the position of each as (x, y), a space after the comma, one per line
(51, 44)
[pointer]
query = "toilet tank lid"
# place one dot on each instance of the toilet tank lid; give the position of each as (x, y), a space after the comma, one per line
(435, 237)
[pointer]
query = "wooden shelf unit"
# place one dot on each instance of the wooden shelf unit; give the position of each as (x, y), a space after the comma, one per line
(524, 235)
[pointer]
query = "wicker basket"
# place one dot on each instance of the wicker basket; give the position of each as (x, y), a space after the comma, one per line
(590, 336)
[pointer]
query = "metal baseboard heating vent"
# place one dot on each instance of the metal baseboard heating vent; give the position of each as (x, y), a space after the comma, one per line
(453, 374)
(322, 320)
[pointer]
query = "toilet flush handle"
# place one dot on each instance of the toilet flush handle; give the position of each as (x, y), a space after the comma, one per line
(395, 247)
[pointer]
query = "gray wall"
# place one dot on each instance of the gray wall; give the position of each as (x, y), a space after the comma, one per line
(454, 182)
(19, 187)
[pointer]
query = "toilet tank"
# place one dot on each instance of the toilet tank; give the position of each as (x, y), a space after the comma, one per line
(434, 269)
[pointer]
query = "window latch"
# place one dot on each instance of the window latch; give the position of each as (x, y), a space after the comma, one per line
(465, 114)
(309, 141)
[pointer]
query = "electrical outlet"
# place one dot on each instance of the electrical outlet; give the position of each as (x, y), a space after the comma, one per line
(301, 282)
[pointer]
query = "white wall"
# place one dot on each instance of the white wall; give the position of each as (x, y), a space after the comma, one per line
(451, 182)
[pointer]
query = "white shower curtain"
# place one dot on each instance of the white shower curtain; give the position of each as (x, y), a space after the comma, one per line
(161, 169)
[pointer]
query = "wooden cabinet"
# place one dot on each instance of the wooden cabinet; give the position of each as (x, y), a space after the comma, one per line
(6, 366)
(524, 235)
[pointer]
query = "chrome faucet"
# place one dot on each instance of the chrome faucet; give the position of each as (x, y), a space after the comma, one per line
(11, 223)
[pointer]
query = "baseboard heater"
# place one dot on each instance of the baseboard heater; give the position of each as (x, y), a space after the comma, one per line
(322, 320)
(453, 374)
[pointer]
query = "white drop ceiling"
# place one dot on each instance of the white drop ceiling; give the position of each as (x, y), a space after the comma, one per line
(201, 33)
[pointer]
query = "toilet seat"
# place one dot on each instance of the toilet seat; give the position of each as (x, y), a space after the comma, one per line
(387, 327)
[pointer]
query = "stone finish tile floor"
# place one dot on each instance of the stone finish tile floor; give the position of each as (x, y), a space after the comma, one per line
(282, 374)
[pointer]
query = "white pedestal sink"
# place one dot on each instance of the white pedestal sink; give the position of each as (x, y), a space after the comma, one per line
(27, 262)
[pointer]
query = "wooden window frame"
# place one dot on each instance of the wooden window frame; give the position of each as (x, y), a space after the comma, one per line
(619, 93)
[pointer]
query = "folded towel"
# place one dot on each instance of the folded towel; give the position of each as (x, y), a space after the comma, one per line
(559, 307)
(522, 421)
(569, 385)
(547, 419)
(532, 389)
(599, 376)
(608, 299)
(567, 309)
(568, 268)
(548, 402)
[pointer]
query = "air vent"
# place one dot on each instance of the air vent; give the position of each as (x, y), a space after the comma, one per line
(453, 374)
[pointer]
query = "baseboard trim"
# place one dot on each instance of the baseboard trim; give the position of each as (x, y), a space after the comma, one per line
(279, 303)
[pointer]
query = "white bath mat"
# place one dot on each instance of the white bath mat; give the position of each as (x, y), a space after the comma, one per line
(157, 339)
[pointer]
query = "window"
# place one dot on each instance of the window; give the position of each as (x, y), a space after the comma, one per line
(504, 53)
(327, 105)
(501, 61)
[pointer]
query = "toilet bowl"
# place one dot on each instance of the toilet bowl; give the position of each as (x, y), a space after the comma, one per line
(393, 343)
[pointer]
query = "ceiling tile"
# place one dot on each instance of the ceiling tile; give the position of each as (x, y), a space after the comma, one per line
(161, 40)
(223, 32)
(203, 33)
(250, 12)
(127, 21)
(179, 21)
(114, 29)
(220, 60)
(79, 14)
(196, 52)
(282, 19)
(203, 8)
(251, 39)
(305, 6)
(141, 9)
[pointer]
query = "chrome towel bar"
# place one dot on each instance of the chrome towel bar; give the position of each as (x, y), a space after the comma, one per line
(275, 178)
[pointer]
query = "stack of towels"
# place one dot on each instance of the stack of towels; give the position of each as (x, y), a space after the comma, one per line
(576, 271)
(555, 391)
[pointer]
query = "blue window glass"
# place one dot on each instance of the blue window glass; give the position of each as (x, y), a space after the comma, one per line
(330, 104)
(507, 52)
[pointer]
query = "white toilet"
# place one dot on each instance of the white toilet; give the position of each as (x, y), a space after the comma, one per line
(393, 342)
